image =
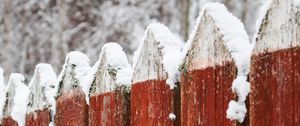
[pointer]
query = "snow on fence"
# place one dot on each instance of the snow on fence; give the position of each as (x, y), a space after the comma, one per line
(71, 106)
(14, 109)
(215, 64)
(203, 83)
(110, 89)
(275, 66)
(41, 100)
(152, 101)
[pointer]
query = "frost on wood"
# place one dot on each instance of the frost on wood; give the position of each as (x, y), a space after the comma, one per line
(41, 97)
(76, 67)
(16, 94)
(158, 56)
(219, 38)
(276, 27)
(113, 71)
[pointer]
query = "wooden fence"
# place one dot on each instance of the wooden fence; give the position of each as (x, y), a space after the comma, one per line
(202, 83)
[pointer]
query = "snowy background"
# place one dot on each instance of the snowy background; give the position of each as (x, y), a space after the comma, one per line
(34, 31)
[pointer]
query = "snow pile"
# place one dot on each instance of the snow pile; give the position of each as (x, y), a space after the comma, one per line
(19, 94)
(42, 88)
(170, 46)
(2, 93)
(237, 43)
(75, 68)
(114, 69)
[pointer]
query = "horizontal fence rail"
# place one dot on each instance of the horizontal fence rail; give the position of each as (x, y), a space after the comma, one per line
(217, 78)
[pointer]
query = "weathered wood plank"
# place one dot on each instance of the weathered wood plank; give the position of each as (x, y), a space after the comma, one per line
(274, 97)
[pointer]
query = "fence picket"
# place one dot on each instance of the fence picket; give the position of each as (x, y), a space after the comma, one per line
(275, 70)
(152, 100)
(40, 98)
(110, 91)
(71, 106)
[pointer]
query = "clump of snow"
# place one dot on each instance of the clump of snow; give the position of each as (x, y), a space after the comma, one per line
(2, 93)
(19, 96)
(41, 87)
(172, 116)
(113, 70)
(170, 46)
(237, 43)
(75, 68)
(236, 110)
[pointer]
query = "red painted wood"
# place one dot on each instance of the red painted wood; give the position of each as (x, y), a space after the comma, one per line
(205, 95)
(151, 103)
(8, 121)
(275, 88)
(71, 109)
(38, 118)
(110, 109)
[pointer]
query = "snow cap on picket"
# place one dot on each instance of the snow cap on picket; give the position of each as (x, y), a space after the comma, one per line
(41, 88)
(75, 68)
(158, 55)
(17, 98)
(113, 70)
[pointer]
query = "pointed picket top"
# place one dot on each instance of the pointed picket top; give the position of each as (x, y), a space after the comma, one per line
(113, 70)
(41, 86)
(16, 93)
(158, 56)
(276, 26)
(217, 37)
(76, 67)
